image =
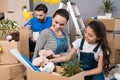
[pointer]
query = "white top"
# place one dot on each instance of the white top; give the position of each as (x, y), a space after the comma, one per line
(87, 48)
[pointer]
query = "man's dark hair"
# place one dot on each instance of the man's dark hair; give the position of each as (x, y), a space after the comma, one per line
(41, 7)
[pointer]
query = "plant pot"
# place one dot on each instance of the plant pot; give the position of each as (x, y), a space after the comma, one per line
(109, 15)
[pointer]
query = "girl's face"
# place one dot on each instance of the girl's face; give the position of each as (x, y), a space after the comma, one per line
(90, 36)
(59, 22)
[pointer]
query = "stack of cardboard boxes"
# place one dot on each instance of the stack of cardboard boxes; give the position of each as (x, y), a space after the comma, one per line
(113, 39)
(12, 9)
(10, 67)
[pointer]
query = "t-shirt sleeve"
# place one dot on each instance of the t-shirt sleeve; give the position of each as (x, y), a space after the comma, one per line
(76, 43)
(100, 52)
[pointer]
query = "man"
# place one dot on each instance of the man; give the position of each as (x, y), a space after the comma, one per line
(38, 23)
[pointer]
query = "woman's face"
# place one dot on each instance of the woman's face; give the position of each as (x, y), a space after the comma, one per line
(59, 22)
(90, 35)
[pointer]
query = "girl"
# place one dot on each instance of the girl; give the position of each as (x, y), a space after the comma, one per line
(94, 51)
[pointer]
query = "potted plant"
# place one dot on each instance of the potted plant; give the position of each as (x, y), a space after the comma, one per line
(7, 26)
(24, 8)
(108, 7)
(71, 67)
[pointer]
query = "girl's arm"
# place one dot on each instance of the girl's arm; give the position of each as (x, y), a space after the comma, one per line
(64, 58)
(97, 70)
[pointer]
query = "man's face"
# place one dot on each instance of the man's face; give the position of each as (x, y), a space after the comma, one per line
(41, 15)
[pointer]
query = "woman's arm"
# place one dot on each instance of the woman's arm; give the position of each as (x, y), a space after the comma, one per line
(40, 43)
(97, 70)
(64, 58)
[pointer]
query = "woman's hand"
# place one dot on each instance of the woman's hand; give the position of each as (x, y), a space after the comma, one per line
(51, 60)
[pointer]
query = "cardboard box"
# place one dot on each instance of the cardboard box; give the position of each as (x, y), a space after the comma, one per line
(5, 56)
(13, 5)
(111, 24)
(22, 46)
(15, 16)
(24, 41)
(12, 72)
(19, 79)
(33, 75)
(117, 56)
(110, 39)
(116, 41)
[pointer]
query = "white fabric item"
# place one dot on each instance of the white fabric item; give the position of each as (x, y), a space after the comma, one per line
(117, 76)
(114, 73)
(35, 35)
(48, 68)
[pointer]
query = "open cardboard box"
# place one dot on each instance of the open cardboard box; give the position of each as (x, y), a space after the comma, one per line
(34, 75)
(22, 45)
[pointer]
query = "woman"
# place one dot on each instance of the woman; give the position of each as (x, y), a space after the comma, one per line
(54, 38)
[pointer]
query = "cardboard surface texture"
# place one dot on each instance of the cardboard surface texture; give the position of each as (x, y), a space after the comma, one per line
(34, 75)
(24, 41)
(116, 41)
(117, 56)
(111, 24)
(13, 5)
(22, 46)
(12, 72)
(15, 16)
(5, 56)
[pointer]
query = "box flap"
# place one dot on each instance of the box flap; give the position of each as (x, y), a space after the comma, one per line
(24, 41)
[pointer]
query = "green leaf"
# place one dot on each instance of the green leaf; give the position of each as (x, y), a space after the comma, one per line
(71, 67)
(7, 26)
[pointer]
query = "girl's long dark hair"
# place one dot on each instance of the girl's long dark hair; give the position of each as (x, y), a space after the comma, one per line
(100, 31)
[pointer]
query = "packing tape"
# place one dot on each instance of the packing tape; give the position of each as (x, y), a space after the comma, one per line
(1, 50)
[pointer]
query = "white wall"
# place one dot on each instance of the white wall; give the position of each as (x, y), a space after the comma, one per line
(87, 8)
